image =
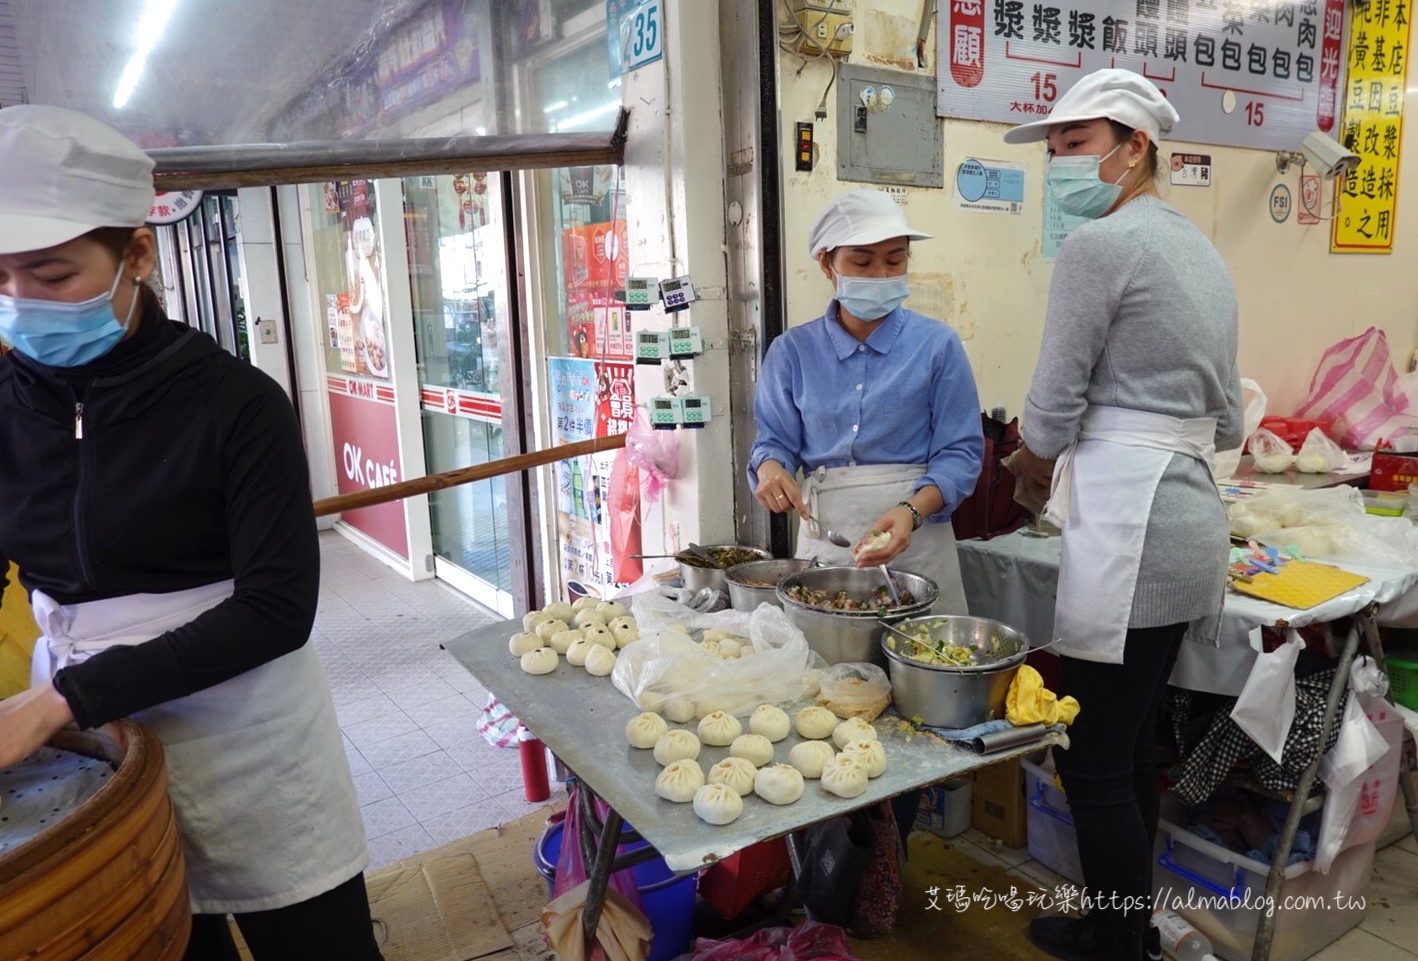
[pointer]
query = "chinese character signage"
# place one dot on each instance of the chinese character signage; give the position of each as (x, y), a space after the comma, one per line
(1377, 59)
(1246, 73)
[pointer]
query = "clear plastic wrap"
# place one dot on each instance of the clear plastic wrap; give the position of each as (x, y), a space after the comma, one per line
(1326, 524)
(670, 671)
(1270, 454)
(1319, 454)
(1253, 398)
(854, 690)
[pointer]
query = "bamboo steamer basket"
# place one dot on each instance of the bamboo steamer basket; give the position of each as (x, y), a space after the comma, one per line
(106, 883)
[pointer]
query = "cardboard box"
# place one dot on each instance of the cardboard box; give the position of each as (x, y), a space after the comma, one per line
(945, 807)
(997, 805)
(1392, 471)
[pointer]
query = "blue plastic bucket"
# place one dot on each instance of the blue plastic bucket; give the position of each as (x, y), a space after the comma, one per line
(666, 898)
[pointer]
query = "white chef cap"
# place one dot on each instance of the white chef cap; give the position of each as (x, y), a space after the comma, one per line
(858, 218)
(1112, 94)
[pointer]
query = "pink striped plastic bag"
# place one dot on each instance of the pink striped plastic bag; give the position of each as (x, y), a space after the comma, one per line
(1355, 386)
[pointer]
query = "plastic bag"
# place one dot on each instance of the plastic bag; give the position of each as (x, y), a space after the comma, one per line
(497, 725)
(1328, 524)
(1359, 747)
(561, 917)
(1266, 708)
(656, 452)
(1271, 454)
(1356, 388)
(854, 690)
(1319, 454)
(625, 520)
(810, 939)
(667, 670)
(1253, 401)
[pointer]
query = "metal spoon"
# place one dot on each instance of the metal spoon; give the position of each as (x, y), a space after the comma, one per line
(890, 586)
(705, 556)
(832, 536)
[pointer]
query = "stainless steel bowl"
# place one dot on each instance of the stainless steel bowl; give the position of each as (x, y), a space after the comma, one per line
(698, 578)
(955, 697)
(851, 636)
(745, 596)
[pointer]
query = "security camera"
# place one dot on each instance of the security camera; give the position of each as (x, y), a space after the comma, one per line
(1327, 156)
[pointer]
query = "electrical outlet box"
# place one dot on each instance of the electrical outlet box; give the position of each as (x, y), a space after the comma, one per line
(677, 294)
(685, 342)
(802, 159)
(641, 292)
(887, 128)
(694, 410)
(664, 413)
(824, 26)
(651, 346)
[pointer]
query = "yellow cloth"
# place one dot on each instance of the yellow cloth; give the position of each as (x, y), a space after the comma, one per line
(17, 636)
(1030, 702)
(623, 932)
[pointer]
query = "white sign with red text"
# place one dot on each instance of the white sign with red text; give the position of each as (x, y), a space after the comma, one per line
(1244, 73)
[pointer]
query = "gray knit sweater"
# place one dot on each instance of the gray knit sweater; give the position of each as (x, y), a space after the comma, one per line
(1142, 315)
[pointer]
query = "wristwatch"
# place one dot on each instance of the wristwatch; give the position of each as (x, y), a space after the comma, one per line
(916, 519)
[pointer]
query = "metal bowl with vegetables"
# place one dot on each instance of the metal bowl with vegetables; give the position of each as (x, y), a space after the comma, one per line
(955, 671)
(697, 573)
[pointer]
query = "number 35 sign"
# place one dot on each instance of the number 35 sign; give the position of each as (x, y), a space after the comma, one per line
(635, 31)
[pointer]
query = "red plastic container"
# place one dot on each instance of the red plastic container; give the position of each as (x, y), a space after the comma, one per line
(535, 785)
(1293, 430)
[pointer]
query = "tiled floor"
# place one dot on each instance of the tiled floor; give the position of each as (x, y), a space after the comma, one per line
(407, 708)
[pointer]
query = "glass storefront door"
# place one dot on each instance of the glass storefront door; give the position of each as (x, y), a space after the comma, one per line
(460, 295)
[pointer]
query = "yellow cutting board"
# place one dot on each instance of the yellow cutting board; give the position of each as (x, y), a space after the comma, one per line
(1300, 585)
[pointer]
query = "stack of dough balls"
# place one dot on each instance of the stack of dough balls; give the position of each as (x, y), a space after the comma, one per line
(587, 632)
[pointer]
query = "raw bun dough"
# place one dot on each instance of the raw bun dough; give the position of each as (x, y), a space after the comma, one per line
(549, 628)
(676, 745)
(717, 803)
(576, 653)
(597, 634)
(852, 729)
(730, 649)
(643, 730)
(719, 729)
(611, 609)
(560, 611)
(541, 661)
(736, 772)
(561, 641)
(600, 660)
(844, 776)
(522, 642)
(769, 721)
(587, 616)
(871, 753)
(625, 630)
(815, 722)
(810, 756)
(581, 603)
(681, 779)
(755, 748)
(779, 784)
(679, 710)
(531, 619)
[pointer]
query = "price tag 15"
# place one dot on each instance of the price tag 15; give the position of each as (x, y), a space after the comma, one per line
(635, 30)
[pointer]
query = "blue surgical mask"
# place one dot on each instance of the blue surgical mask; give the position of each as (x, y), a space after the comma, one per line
(1076, 188)
(58, 334)
(871, 298)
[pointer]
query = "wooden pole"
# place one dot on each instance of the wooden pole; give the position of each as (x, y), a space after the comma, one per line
(464, 475)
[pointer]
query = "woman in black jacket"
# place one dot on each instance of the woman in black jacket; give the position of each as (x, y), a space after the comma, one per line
(154, 493)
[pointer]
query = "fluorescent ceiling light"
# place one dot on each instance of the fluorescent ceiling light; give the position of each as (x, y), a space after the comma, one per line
(150, 28)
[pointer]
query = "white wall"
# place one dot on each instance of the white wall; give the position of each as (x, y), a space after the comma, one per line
(983, 273)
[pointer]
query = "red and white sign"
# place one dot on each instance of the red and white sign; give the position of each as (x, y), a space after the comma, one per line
(169, 208)
(463, 403)
(366, 441)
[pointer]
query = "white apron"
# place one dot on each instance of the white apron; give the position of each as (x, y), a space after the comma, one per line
(850, 499)
(1102, 495)
(256, 769)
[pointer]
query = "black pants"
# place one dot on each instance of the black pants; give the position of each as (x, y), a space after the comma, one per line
(1109, 771)
(333, 926)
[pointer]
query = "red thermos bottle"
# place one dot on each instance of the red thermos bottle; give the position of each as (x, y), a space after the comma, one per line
(535, 785)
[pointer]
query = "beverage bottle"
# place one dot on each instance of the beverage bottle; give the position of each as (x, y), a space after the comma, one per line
(535, 785)
(578, 490)
(1180, 939)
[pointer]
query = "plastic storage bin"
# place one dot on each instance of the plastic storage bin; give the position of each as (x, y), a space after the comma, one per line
(1403, 680)
(667, 899)
(1053, 841)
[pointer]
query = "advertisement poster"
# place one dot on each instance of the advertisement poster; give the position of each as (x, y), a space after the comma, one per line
(1377, 60)
(361, 307)
(366, 441)
(1246, 73)
(589, 399)
(596, 267)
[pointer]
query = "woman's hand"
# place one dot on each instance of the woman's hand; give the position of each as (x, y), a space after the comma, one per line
(897, 524)
(778, 490)
(28, 720)
(1030, 467)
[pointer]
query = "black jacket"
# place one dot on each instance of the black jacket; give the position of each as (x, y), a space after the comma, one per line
(164, 465)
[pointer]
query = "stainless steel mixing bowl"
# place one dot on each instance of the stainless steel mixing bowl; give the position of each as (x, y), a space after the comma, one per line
(851, 636)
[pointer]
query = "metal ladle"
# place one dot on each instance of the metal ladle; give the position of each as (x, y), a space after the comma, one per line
(832, 536)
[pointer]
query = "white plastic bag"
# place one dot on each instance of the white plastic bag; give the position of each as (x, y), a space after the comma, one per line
(854, 690)
(668, 670)
(1358, 748)
(1266, 708)
(1319, 455)
(1253, 400)
(1328, 524)
(1270, 454)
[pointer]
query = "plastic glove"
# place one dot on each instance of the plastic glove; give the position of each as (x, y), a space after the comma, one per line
(1030, 702)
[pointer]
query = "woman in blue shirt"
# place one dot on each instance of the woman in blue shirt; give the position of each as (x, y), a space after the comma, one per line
(874, 404)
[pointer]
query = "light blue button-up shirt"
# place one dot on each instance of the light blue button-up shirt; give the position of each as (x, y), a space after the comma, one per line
(904, 396)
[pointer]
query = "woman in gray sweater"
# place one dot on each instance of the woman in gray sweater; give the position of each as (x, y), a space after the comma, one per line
(1135, 388)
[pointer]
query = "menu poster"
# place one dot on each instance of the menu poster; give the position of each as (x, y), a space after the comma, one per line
(363, 304)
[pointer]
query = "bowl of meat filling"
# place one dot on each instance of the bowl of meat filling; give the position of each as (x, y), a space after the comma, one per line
(756, 582)
(840, 609)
